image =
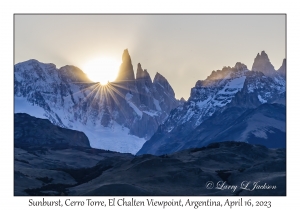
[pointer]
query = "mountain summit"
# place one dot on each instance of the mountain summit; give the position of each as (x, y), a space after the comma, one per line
(126, 69)
(282, 69)
(262, 64)
(120, 116)
(232, 104)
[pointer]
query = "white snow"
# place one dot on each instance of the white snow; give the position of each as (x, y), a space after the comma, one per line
(201, 104)
(128, 97)
(137, 111)
(260, 133)
(156, 103)
(234, 85)
(250, 88)
(190, 113)
(261, 99)
(170, 129)
(24, 106)
(116, 138)
(279, 81)
(151, 113)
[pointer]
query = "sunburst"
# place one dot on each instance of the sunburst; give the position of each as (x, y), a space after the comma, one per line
(103, 69)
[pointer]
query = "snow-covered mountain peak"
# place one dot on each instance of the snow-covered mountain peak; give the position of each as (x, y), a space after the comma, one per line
(120, 116)
(231, 86)
(219, 100)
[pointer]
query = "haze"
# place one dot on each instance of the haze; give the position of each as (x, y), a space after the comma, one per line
(183, 48)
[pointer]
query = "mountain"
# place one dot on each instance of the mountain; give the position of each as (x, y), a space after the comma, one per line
(29, 130)
(119, 116)
(282, 69)
(262, 64)
(47, 170)
(231, 132)
(232, 100)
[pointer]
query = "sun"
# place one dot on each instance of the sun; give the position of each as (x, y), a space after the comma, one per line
(102, 70)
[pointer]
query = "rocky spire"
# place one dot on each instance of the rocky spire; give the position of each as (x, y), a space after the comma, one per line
(263, 64)
(143, 74)
(126, 69)
(163, 82)
(139, 71)
(240, 66)
(282, 69)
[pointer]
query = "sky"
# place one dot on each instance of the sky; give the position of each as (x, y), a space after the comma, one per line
(183, 48)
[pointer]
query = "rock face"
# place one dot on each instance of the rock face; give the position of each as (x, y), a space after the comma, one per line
(282, 69)
(119, 116)
(217, 102)
(31, 131)
(262, 64)
(126, 69)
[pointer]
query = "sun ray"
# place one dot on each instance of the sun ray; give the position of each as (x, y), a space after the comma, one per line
(101, 98)
(115, 99)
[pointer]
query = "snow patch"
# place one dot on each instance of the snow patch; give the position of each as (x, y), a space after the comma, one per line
(156, 103)
(128, 97)
(115, 138)
(260, 134)
(261, 99)
(151, 113)
(170, 129)
(188, 116)
(233, 86)
(201, 104)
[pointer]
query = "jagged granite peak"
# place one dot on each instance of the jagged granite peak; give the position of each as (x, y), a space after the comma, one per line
(118, 117)
(126, 72)
(158, 77)
(182, 100)
(145, 87)
(240, 66)
(226, 93)
(142, 74)
(262, 64)
(225, 73)
(282, 69)
(139, 71)
(162, 81)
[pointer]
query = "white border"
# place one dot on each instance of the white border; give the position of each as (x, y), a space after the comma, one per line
(8, 8)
